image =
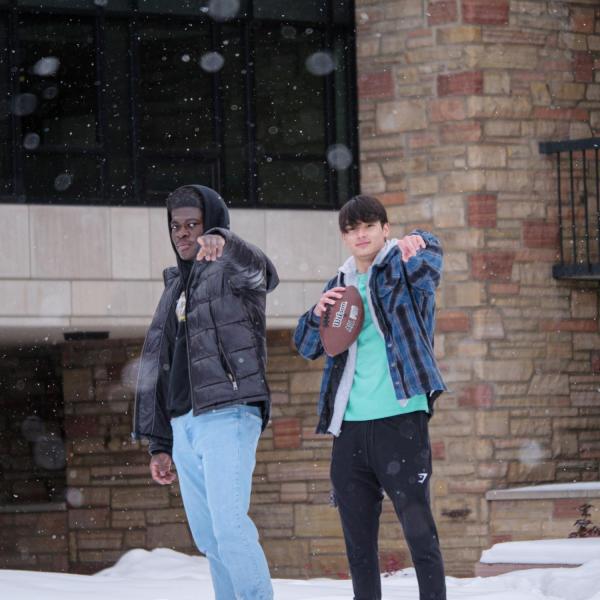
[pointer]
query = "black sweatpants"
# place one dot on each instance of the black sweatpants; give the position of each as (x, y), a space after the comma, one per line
(394, 455)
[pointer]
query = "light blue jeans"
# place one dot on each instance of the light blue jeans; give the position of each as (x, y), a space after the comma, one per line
(215, 454)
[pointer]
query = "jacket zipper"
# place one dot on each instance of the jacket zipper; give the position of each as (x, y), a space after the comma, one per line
(224, 359)
(187, 336)
(228, 369)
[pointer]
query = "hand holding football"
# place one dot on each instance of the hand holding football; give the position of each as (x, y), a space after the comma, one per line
(329, 297)
(341, 319)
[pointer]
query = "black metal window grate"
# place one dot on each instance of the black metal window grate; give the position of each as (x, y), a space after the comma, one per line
(578, 207)
(117, 102)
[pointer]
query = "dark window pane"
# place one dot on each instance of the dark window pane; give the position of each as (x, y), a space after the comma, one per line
(5, 122)
(221, 11)
(116, 99)
(67, 4)
(57, 178)
(163, 175)
(32, 452)
(176, 94)
(106, 102)
(290, 115)
(342, 11)
(236, 154)
(171, 7)
(292, 183)
(342, 160)
(58, 66)
(304, 10)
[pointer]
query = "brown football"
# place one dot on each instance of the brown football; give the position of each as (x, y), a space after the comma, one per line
(341, 322)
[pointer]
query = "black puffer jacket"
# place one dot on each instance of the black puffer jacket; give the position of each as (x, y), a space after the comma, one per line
(226, 332)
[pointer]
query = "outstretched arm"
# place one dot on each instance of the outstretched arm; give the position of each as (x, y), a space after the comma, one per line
(247, 266)
(423, 255)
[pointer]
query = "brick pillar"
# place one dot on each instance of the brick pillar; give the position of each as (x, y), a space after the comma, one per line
(454, 97)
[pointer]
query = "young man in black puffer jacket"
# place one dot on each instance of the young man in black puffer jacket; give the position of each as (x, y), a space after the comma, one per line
(202, 398)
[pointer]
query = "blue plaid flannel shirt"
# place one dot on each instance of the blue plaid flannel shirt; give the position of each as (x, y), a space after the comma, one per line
(403, 297)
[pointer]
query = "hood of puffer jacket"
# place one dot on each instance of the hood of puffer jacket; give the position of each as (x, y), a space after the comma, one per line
(215, 215)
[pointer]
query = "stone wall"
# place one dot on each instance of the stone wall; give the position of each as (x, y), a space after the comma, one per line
(454, 97)
(112, 504)
(538, 513)
(34, 537)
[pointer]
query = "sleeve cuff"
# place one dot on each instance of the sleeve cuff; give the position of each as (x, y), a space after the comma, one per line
(156, 447)
(313, 321)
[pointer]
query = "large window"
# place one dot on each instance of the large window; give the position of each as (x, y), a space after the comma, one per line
(120, 101)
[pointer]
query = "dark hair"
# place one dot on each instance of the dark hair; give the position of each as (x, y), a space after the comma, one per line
(185, 196)
(361, 209)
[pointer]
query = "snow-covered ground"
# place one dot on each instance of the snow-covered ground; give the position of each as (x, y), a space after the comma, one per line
(167, 575)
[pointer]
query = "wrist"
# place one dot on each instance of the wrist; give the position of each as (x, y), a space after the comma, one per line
(314, 319)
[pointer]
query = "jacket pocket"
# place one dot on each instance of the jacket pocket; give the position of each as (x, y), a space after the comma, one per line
(228, 368)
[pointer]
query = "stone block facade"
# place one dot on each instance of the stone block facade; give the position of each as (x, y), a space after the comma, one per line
(36, 538)
(454, 96)
(465, 91)
(539, 512)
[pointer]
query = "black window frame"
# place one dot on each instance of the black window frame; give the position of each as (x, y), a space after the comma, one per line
(334, 31)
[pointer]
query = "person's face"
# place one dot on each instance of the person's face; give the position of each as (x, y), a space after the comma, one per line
(186, 226)
(365, 240)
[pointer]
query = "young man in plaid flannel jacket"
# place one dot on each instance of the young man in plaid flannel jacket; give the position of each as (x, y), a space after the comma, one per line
(378, 396)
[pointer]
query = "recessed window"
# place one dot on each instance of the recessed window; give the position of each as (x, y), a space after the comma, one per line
(32, 439)
(118, 102)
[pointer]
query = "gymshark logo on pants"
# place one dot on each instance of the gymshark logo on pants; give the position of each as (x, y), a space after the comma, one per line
(422, 477)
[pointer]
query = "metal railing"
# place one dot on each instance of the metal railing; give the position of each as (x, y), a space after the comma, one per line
(578, 209)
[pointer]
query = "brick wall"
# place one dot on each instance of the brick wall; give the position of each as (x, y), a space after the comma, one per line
(538, 518)
(454, 97)
(112, 505)
(34, 538)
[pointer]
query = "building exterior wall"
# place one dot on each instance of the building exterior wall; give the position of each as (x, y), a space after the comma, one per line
(454, 97)
(111, 505)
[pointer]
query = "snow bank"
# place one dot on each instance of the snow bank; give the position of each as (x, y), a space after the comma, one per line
(574, 551)
(167, 575)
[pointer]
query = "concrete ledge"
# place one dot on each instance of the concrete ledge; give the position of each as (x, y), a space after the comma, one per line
(537, 554)
(491, 570)
(589, 489)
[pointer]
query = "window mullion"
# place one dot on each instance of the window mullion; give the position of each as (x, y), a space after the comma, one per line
(15, 120)
(218, 113)
(252, 174)
(330, 120)
(136, 158)
(101, 117)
